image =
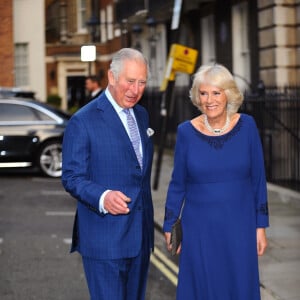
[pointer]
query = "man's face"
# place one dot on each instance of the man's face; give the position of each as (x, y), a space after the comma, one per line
(129, 87)
(89, 85)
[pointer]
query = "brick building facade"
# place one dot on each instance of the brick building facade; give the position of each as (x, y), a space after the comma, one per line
(255, 39)
(279, 42)
(68, 29)
(6, 44)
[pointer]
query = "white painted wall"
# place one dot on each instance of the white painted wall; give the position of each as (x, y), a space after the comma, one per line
(29, 27)
(240, 46)
(208, 53)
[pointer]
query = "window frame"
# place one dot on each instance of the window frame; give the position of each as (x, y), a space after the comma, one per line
(21, 61)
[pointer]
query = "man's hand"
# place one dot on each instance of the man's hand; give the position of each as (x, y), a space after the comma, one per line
(116, 203)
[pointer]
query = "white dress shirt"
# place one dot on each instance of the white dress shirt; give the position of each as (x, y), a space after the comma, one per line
(95, 92)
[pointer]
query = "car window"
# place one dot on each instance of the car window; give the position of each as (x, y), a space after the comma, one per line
(41, 116)
(15, 112)
(61, 113)
(16, 92)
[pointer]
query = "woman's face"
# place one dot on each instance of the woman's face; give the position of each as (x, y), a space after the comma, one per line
(212, 100)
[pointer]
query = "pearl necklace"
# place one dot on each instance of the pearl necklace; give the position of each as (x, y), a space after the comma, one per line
(216, 131)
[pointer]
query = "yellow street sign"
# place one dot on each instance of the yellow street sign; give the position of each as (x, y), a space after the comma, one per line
(185, 54)
(181, 59)
(182, 66)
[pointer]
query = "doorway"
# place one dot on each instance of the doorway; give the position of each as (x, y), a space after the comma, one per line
(76, 96)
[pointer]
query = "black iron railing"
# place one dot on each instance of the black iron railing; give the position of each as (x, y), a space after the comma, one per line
(277, 114)
(278, 118)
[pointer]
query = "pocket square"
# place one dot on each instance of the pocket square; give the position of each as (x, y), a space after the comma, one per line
(150, 132)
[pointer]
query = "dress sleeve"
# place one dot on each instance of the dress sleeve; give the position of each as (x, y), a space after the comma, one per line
(258, 178)
(177, 187)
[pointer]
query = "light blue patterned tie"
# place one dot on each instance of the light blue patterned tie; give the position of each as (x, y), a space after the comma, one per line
(134, 136)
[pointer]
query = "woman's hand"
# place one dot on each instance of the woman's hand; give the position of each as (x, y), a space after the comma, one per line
(168, 240)
(261, 240)
(168, 243)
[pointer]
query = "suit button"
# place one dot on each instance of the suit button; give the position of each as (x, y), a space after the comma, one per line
(137, 167)
(139, 208)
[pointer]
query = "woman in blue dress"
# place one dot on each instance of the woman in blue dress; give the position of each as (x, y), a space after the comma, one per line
(219, 184)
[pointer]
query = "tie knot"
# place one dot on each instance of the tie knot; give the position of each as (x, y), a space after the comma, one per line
(126, 111)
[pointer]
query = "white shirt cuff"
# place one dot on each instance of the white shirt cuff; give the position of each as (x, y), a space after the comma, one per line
(101, 203)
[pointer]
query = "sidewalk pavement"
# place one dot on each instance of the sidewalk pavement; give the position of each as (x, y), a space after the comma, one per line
(280, 265)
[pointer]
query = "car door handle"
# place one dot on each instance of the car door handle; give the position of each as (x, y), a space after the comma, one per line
(31, 132)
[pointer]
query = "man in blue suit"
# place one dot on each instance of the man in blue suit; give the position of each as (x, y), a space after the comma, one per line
(109, 175)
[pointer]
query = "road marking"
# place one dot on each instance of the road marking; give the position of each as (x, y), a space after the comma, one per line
(1, 240)
(53, 193)
(45, 180)
(159, 260)
(162, 267)
(166, 260)
(67, 241)
(15, 165)
(60, 213)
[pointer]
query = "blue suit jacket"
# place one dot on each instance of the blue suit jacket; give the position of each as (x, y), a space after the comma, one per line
(98, 155)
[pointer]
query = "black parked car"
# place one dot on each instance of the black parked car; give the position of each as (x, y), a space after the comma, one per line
(16, 92)
(31, 134)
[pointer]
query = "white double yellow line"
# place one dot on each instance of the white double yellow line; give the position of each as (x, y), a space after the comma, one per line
(165, 265)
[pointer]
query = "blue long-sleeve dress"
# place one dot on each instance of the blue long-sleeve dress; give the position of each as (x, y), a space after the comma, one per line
(220, 182)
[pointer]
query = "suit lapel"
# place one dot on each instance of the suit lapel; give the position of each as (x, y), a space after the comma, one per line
(110, 116)
(141, 126)
(143, 133)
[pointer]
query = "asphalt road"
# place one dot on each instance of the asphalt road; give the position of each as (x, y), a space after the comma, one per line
(36, 218)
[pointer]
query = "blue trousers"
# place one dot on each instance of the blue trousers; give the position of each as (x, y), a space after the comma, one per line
(119, 279)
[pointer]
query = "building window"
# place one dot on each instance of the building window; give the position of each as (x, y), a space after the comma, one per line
(21, 64)
(81, 16)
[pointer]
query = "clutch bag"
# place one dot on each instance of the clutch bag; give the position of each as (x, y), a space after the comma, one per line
(176, 236)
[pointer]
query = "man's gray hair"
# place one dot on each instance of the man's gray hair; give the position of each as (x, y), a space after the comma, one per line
(123, 55)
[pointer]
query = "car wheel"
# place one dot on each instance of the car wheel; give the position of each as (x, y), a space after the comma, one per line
(50, 159)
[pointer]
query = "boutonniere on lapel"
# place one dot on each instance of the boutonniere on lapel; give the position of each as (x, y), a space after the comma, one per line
(150, 132)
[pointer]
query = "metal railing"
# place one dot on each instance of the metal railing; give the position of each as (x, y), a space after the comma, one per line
(277, 115)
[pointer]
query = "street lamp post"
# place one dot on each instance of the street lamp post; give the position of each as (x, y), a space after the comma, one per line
(94, 22)
(88, 53)
(137, 30)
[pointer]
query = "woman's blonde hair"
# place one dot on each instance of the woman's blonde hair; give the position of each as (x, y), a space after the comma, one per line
(218, 76)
